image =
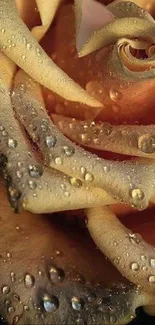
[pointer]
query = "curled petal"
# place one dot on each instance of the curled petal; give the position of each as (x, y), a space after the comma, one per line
(124, 139)
(131, 182)
(90, 15)
(131, 255)
(132, 24)
(47, 10)
(27, 54)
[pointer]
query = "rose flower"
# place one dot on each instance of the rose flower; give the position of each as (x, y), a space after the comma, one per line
(77, 149)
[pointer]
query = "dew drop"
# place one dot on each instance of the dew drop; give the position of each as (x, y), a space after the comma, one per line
(35, 171)
(69, 151)
(137, 195)
(83, 170)
(146, 143)
(50, 303)
(11, 309)
(29, 280)
(51, 141)
(134, 266)
(89, 177)
(5, 290)
(32, 184)
(58, 161)
(115, 94)
(77, 303)
(12, 143)
(152, 279)
(75, 182)
(91, 297)
(56, 275)
(152, 262)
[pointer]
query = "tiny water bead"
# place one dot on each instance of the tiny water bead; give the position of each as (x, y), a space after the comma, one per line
(152, 262)
(51, 141)
(88, 177)
(5, 289)
(134, 266)
(35, 171)
(146, 143)
(50, 303)
(137, 195)
(69, 151)
(77, 303)
(152, 279)
(75, 182)
(57, 275)
(29, 280)
(115, 94)
(12, 143)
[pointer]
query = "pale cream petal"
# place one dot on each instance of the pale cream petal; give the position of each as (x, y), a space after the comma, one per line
(135, 23)
(27, 54)
(130, 254)
(131, 181)
(124, 139)
(47, 10)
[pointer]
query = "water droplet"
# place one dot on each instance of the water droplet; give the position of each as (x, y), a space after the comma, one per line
(35, 171)
(56, 275)
(29, 46)
(134, 266)
(50, 141)
(69, 151)
(91, 297)
(135, 238)
(83, 170)
(115, 94)
(32, 184)
(137, 195)
(77, 303)
(11, 309)
(12, 143)
(152, 262)
(146, 143)
(5, 289)
(13, 276)
(15, 320)
(75, 182)
(29, 280)
(19, 174)
(50, 303)
(89, 177)
(152, 279)
(58, 161)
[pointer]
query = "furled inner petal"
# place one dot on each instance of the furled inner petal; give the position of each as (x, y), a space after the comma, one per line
(92, 16)
(135, 25)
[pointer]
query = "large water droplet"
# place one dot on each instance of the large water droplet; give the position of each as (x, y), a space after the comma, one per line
(56, 275)
(89, 177)
(5, 289)
(146, 143)
(152, 279)
(29, 280)
(134, 266)
(152, 262)
(35, 171)
(77, 303)
(115, 94)
(50, 303)
(51, 141)
(12, 143)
